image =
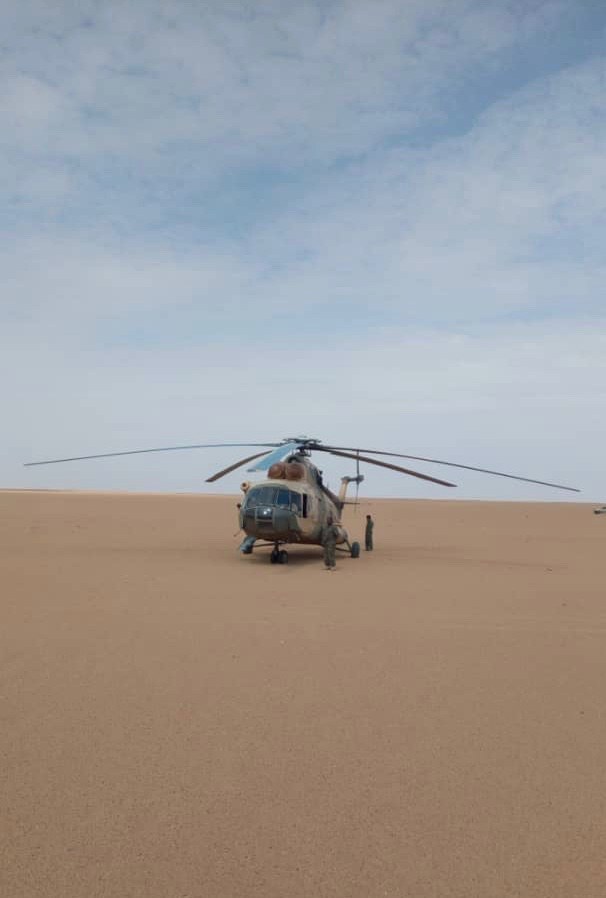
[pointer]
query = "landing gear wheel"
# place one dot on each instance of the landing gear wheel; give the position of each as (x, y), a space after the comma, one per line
(355, 550)
(282, 557)
(274, 557)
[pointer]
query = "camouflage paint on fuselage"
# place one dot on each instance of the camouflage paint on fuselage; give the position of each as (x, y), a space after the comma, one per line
(285, 509)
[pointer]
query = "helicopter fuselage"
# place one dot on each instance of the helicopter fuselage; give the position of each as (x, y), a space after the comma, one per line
(291, 506)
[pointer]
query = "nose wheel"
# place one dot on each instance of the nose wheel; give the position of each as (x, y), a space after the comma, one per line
(278, 556)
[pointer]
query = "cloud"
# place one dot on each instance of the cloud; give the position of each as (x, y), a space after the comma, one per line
(147, 93)
(504, 219)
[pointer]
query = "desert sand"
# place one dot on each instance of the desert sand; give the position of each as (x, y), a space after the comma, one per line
(180, 721)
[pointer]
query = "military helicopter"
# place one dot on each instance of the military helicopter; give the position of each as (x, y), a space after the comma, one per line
(293, 504)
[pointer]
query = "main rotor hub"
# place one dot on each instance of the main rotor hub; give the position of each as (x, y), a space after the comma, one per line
(302, 441)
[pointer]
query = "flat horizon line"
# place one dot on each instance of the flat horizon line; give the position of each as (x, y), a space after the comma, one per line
(366, 500)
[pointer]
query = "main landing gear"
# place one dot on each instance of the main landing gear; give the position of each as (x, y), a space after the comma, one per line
(278, 555)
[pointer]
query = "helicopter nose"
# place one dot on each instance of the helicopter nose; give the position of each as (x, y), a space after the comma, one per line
(282, 518)
(270, 522)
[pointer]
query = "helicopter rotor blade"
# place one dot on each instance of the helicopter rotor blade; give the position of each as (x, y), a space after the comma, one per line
(383, 464)
(56, 461)
(233, 467)
(452, 464)
(277, 455)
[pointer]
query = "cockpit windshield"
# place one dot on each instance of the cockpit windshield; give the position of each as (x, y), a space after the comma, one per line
(261, 495)
(295, 502)
(273, 495)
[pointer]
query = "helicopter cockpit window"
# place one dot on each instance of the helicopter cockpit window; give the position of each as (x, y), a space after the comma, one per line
(261, 495)
(278, 496)
(283, 498)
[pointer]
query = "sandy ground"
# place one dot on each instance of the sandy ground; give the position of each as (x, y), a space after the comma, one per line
(179, 721)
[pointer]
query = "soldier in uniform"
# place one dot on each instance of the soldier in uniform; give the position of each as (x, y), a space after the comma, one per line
(329, 541)
(368, 535)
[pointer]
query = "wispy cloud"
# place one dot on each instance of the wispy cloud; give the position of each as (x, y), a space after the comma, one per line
(144, 98)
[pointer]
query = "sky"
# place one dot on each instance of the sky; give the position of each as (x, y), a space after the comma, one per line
(379, 223)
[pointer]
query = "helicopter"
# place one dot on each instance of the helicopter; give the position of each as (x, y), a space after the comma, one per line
(293, 505)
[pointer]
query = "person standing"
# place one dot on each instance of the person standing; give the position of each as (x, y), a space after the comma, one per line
(368, 534)
(330, 535)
